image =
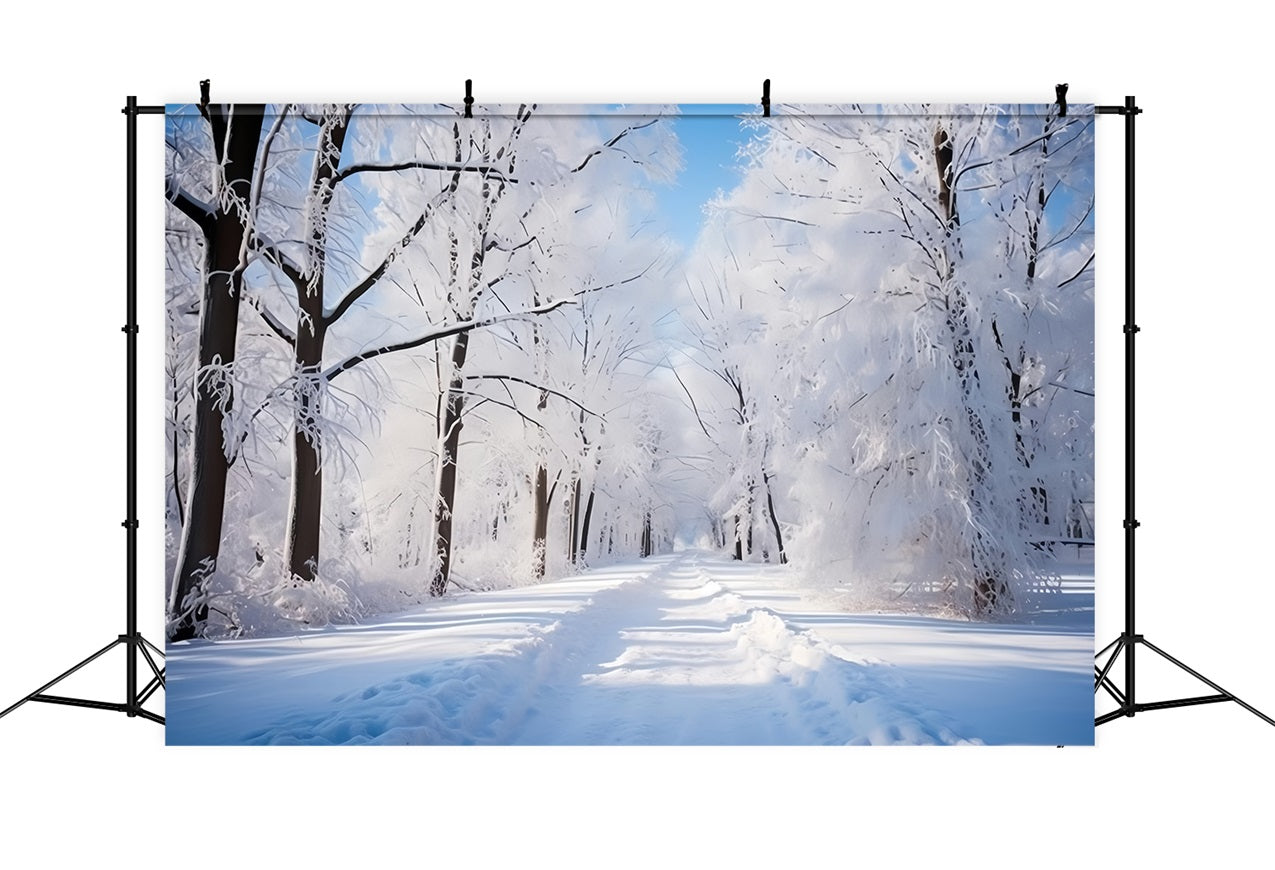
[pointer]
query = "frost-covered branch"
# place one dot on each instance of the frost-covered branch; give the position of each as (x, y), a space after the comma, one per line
(613, 140)
(540, 387)
(694, 407)
(441, 166)
(1080, 272)
(375, 275)
(275, 257)
(435, 335)
(482, 400)
(276, 325)
(196, 209)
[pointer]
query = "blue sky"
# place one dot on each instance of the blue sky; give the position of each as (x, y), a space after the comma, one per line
(710, 135)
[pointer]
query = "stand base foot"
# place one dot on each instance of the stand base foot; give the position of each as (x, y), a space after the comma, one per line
(1128, 706)
(134, 644)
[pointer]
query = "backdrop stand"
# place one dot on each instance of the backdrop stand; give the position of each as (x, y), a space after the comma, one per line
(1129, 640)
(135, 645)
(132, 641)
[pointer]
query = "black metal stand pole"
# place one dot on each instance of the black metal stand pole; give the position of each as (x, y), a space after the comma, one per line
(1129, 640)
(132, 641)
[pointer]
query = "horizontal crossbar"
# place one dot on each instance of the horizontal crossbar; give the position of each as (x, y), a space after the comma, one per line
(1183, 702)
(78, 702)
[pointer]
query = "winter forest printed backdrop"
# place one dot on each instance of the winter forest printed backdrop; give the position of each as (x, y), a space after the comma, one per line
(414, 355)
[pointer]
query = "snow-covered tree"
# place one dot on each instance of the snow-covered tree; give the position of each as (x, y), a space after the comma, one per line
(210, 161)
(918, 320)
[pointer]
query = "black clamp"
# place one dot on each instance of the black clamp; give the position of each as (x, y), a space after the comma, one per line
(765, 98)
(1061, 92)
(1131, 524)
(131, 329)
(469, 98)
(1130, 329)
(129, 524)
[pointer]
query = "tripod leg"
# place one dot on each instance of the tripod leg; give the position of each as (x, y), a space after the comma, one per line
(159, 652)
(1118, 643)
(1099, 653)
(62, 676)
(1116, 694)
(1203, 679)
(155, 669)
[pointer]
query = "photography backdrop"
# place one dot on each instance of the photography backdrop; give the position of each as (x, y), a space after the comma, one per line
(610, 424)
(674, 797)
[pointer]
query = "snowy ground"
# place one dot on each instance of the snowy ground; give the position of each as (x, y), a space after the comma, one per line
(681, 649)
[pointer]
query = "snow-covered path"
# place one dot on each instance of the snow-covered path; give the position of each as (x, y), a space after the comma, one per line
(681, 649)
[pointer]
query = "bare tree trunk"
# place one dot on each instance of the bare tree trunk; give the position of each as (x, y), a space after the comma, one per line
(540, 522)
(990, 586)
(774, 522)
(574, 546)
(235, 146)
(446, 502)
(451, 420)
(584, 529)
(307, 458)
(646, 535)
(306, 507)
(543, 493)
(1034, 504)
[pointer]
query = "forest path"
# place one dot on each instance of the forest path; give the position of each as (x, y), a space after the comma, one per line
(689, 648)
(679, 657)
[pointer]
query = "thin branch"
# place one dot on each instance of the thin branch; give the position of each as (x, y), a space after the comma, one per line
(421, 164)
(485, 399)
(541, 387)
(1078, 274)
(694, 407)
(614, 139)
(279, 260)
(195, 209)
(454, 329)
(276, 325)
(259, 182)
(619, 283)
(375, 275)
(1070, 389)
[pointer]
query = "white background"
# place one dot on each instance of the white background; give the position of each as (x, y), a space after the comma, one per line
(1191, 785)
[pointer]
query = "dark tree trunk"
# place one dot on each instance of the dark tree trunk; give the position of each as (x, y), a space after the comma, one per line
(584, 529)
(235, 146)
(646, 534)
(543, 493)
(450, 418)
(774, 522)
(307, 458)
(306, 507)
(540, 530)
(175, 398)
(446, 503)
(574, 547)
(739, 542)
